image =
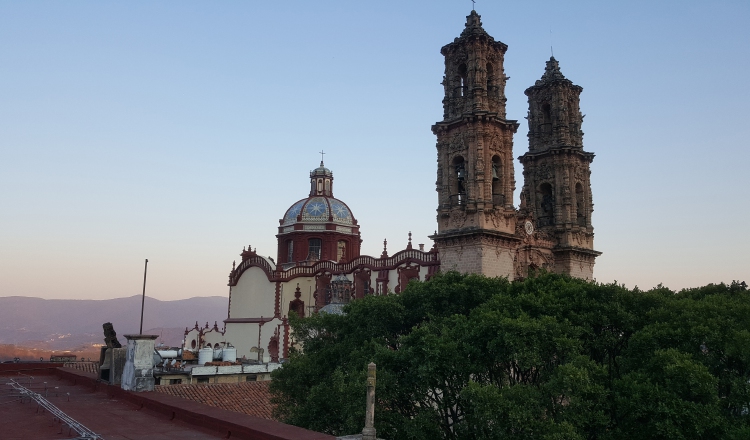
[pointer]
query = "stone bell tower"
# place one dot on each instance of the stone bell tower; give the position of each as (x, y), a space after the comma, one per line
(475, 183)
(557, 188)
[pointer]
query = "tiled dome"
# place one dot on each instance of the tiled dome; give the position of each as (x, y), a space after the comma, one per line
(318, 209)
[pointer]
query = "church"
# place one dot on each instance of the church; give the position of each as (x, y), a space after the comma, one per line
(319, 267)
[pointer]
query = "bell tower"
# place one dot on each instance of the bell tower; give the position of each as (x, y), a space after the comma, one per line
(557, 188)
(475, 183)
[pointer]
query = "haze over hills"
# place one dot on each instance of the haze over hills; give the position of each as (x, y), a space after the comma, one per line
(55, 324)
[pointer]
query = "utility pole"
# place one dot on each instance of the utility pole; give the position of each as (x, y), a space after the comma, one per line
(143, 298)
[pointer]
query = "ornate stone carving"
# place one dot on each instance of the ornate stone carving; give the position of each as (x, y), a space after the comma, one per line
(458, 219)
(543, 172)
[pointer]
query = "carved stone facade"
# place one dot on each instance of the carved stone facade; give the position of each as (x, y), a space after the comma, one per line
(479, 229)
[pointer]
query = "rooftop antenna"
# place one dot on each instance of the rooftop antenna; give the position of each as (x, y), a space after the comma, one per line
(143, 298)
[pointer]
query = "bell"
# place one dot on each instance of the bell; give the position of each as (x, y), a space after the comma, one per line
(494, 173)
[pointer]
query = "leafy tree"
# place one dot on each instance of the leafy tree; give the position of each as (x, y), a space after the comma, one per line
(550, 357)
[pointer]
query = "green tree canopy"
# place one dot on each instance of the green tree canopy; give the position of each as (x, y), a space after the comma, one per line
(550, 357)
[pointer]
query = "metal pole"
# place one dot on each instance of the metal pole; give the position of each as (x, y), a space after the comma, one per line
(143, 299)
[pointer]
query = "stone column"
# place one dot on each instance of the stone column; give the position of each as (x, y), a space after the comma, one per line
(138, 374)
(368, 433)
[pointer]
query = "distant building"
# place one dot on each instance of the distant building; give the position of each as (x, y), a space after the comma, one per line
(319, 267)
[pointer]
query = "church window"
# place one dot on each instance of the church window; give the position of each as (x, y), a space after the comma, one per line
(546, 118)
(320, 186)
(462, 80)
(546, 205)
(580, 205)
(289, 251)
(498, 198)
(459, 189)
(328, 186)
(341, 250)
(490, 78)
(314, 245)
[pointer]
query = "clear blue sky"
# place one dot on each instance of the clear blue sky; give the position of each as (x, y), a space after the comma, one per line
(182, 131)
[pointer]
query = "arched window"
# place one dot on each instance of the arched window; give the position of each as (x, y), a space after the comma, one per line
(546, 202)
(580, 205)
(341, 250)
(313, 246)
(459, 187)
(462, 80)
(490, 79)
(328, 187)
(498, 198)
(289, 251)
(546, 118)
(320, 186)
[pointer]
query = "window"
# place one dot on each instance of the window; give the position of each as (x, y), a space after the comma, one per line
(546, 202)
(314, 245)
(341, 251)
(289, 251)
(546, 118)
(175, 381)
(459, 189)
(251, 378)
(202, 380)
(580, 205)
(498, 198)
(490, 79)
(462, 80)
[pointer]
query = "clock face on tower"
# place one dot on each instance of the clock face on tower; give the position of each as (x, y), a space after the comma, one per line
(529, 227)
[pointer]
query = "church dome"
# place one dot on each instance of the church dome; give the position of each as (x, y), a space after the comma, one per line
(320, 206)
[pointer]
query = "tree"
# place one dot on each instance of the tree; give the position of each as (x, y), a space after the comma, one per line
(469, 357)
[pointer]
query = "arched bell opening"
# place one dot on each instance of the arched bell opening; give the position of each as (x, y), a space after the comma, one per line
(459, 181)
(498, 198)
(580, 205)
(546, 208)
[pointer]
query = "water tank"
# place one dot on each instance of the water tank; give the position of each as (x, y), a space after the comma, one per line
(167, 354)
(229, 354)
(217, 353)
(205, 355)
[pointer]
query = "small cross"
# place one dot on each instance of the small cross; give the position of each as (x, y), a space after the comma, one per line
(321, 155)
(472, 4)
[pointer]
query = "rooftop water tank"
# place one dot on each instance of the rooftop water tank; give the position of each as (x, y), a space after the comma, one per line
(167, 354)
(205, 355)
(229, 354)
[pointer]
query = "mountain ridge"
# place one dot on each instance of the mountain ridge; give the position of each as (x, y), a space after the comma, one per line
(66, 324)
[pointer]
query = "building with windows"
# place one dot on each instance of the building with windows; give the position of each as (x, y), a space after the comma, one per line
(479, 230)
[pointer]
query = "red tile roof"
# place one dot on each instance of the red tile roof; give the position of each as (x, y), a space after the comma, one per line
(251, 398)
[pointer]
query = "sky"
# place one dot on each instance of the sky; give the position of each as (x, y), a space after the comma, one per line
(182, 131)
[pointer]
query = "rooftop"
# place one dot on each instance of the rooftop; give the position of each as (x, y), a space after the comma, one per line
(252, 398)
(115, 414)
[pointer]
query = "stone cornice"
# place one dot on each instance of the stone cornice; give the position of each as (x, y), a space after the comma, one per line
(467, 118)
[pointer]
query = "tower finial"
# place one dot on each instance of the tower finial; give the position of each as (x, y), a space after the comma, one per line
(321, 157)
(473, 3)
(551, 51)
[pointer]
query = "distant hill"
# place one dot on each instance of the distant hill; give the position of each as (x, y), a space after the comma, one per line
(55, 324)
